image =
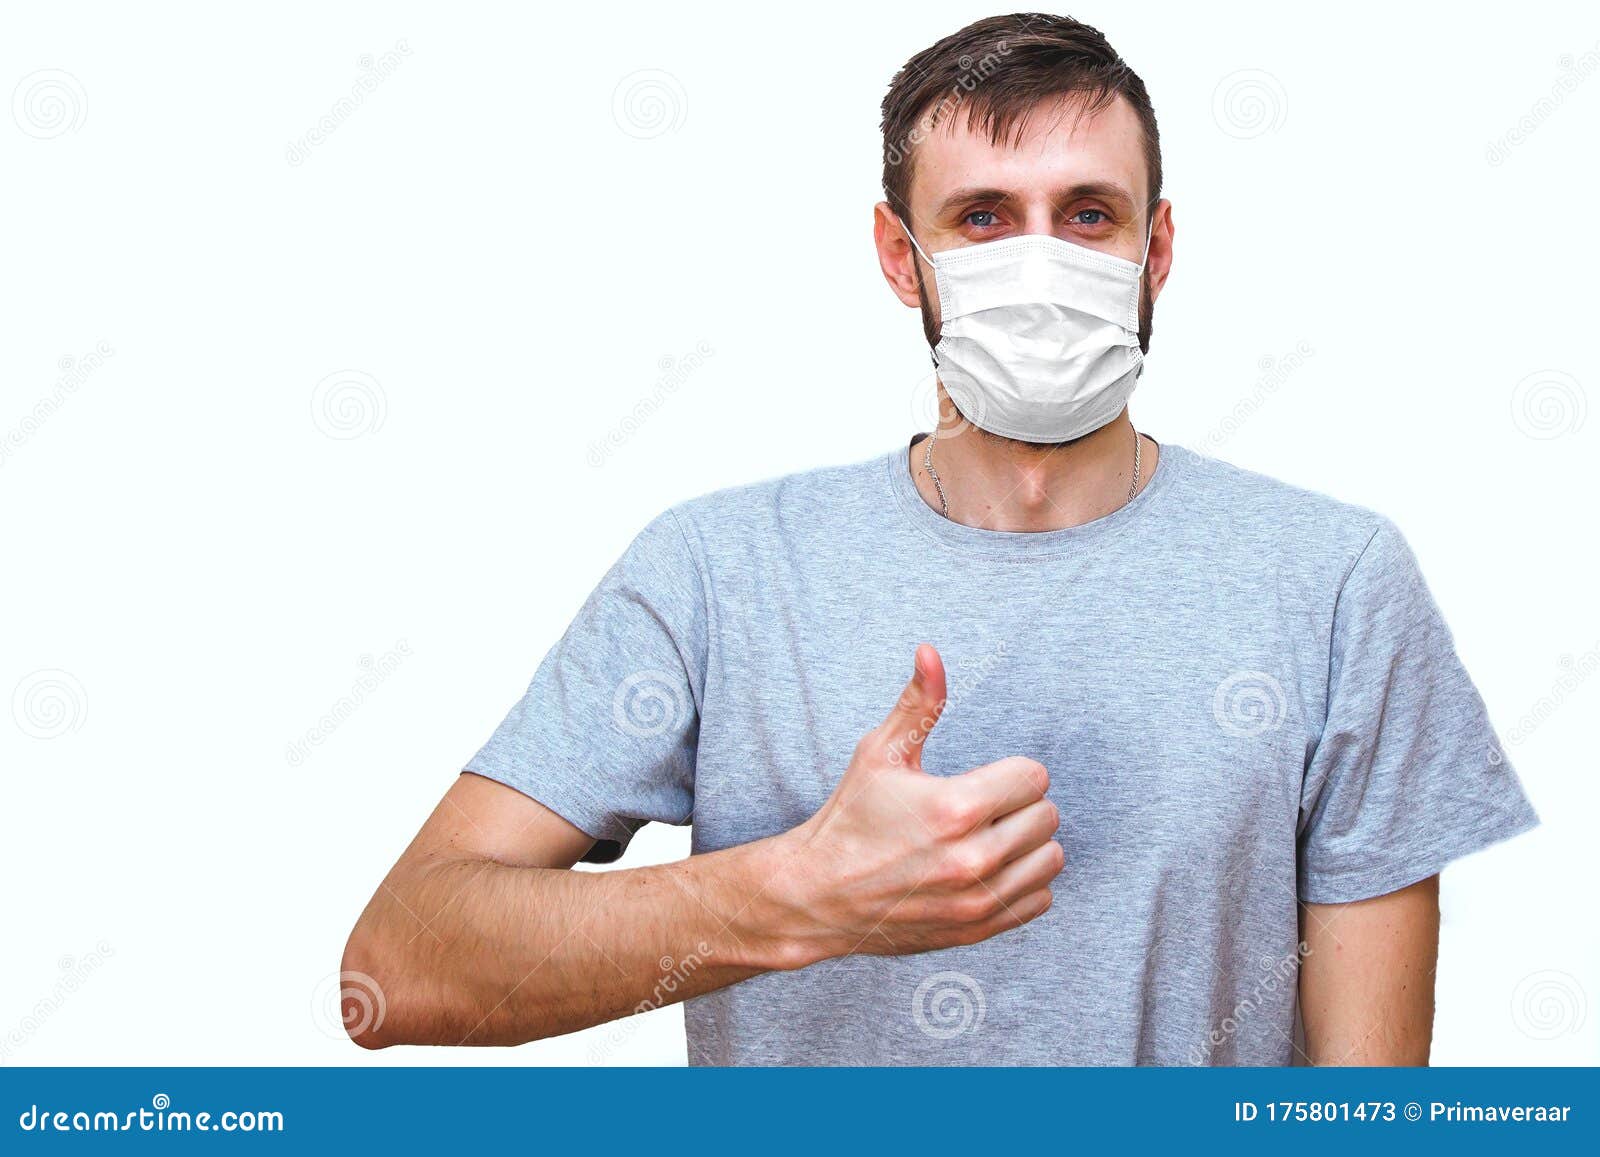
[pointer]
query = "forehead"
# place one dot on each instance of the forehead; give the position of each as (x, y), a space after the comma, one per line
(1056, 145)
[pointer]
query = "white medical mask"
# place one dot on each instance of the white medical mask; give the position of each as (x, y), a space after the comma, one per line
(1039, 338)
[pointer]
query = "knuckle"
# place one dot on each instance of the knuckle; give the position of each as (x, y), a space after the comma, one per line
(971, 808)
(971, 863)
(953, 813)
(952, 872)
(973, 908)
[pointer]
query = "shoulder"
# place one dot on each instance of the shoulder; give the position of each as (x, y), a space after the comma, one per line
(1265, 518)
(811, 503)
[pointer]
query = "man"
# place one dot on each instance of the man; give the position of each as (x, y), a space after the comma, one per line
(1187, 743)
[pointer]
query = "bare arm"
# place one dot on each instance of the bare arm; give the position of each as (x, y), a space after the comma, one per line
(1366, 981)
(480, 935)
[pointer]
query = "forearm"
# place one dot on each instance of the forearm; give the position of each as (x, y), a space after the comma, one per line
(470, 951)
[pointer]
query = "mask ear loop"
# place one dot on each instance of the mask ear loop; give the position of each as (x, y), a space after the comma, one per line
(1139, 290)
(912, 237)
(933, 354)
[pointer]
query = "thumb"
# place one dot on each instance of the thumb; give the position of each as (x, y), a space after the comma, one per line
(906, 727)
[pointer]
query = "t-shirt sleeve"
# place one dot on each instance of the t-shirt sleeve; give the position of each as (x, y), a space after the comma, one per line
(605, 735)
(1407, 774)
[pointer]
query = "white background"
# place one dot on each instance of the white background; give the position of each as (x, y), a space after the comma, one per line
(507, 252)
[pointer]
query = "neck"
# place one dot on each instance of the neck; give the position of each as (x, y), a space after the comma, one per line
(1000, 484)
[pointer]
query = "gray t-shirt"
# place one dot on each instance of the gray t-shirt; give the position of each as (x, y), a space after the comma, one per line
(1243, 692)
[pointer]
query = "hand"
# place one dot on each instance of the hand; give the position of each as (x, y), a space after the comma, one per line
(900, 861)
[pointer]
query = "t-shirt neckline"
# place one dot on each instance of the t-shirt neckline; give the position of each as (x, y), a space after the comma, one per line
(1026, 544)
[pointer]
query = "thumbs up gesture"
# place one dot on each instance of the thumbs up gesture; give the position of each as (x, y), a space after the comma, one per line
(900, 861)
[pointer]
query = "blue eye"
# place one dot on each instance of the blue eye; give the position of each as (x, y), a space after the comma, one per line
(973, 219)
(1096, 214)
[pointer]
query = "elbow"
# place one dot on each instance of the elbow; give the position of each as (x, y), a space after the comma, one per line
(389, 994)
(363, 1001)
(383, 977)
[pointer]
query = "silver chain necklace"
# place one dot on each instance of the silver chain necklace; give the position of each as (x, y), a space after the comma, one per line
(944, 504)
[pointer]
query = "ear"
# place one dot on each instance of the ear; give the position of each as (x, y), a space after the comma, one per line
(1160, 261)
(895, 256)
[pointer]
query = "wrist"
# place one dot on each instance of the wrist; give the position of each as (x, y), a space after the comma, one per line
(773, 891)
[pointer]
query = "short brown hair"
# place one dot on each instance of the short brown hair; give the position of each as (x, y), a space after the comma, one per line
(1001, 68)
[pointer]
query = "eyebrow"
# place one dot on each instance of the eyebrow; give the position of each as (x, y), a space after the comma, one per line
(1107, 190)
